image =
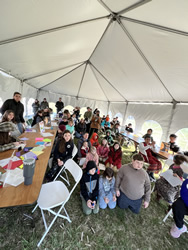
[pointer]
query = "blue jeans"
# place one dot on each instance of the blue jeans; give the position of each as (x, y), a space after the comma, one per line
(78, 135)
(111, 204)
(124, 202)
(20, 127)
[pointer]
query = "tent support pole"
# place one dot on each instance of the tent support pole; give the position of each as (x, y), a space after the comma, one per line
(171, 118)
(62, 76)
(108, 81)
(82, 80)
(143, 56)
(108, 108)
(35, 34)
(99, 83)
(125, 113)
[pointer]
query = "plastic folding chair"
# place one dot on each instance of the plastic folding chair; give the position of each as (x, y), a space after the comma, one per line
(56, 194)
(74, 152)
(170, 214)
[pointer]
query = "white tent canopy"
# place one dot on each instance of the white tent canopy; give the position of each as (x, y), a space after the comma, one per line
(127, 57)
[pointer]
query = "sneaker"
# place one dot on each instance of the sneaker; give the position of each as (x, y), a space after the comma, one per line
(176, 232)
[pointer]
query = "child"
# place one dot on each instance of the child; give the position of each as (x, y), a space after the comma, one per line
(107, 194)
(163, 187)
(108, 137)
(92, 156)
(84, 149)
(89, 187)
(103, 150)
(129, 128)
(38, 117)
(94, 140)
(114, 156)
(180, 209)
(70, 126)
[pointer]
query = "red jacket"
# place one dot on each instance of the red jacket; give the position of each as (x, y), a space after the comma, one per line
(94, 142)
(114, 157)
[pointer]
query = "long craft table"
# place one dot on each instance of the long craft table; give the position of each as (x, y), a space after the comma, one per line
(25, 195)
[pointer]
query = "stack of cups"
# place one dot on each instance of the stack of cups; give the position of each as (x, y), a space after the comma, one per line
(28, 170)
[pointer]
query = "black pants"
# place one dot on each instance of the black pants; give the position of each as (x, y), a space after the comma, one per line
(179, 211)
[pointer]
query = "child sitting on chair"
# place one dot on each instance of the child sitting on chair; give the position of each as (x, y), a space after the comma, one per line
(89, 187)
(164, 188)
(107, 194)
(103, 150)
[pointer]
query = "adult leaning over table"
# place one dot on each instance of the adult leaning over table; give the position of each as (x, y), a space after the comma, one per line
(6, 141)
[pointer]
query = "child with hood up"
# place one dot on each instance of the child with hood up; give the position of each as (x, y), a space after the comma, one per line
(89, 188)
(92, 156)
(108, 137)
(94, 140)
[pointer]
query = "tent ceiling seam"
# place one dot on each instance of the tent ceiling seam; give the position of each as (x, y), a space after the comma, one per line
(8, 73)
(144, 57)
(105, 6)
(108, 82)
(82, 79)
(152, 25)
(133, 6)
(63, 75)
(43, 32)
(54, 71)
(108, 25)
(99, 83)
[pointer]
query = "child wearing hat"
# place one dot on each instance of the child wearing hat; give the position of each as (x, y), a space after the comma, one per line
(89, 188)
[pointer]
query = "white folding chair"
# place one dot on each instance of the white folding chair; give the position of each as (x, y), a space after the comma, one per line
(56, 194)
(170, 214)
(74, 152)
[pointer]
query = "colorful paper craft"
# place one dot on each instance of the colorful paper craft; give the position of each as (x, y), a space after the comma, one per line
(39, 139)
(18, 154)
(39, 148)
(46, 134)
(47, 140)
(40, 143)
(38, 152)
(24, 139)
(29, 154)
(14, 164)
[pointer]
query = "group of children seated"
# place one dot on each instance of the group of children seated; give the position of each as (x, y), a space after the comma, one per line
(104, 191)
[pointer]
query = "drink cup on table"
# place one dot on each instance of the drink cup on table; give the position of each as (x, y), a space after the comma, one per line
(28, 170)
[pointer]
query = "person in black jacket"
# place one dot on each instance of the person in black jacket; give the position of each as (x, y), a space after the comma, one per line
(63, 152)
(17, 107)
(89, 187)
(173, 146)
(59, 105)
(80, 128)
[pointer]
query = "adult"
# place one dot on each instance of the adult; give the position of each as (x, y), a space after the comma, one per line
(59, 105)
(95, 123)
(36, 106)
(133, 185)
(17, 107)
(87, 117)
(44, 104)
(128, 128)
(80, 128)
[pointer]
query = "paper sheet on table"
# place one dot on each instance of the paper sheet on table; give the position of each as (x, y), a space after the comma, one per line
(6, 161)
(24, 139)
(46, 127)
(14, 164)
(38, 152)
(30, 130)
(39, 148)
(14, 177)
(168, 175)
(40, 143)
(47, 140)
(29, 154)
(46, 134)
(39, 139)
(53, 124)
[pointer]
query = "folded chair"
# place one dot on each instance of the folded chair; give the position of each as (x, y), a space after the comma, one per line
(56, 194)
(170, 214)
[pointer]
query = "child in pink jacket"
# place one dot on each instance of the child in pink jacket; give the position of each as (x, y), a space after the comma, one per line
(92, 156)
(103, 150)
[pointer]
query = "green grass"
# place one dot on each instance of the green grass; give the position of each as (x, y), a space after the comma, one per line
(113, 229)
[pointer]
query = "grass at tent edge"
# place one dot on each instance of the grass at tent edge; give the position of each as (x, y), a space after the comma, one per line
(109, 229)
